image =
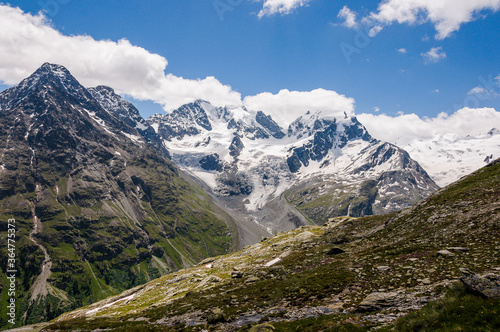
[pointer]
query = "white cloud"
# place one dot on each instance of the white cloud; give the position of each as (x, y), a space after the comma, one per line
(376, 109)
(27, 41)
(436, 91)
(375, 30)
(283, 7)
(478, 90)
(349, 16)
(446, 15)
(434, 55)
(406, 128)
(286, 105)
(402, 51)
(497, 79)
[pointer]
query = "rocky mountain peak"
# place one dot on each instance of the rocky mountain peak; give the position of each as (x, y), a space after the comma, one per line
(91, 199)
(51, 77)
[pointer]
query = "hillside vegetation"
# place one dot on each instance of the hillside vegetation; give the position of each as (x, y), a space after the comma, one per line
(399, 271)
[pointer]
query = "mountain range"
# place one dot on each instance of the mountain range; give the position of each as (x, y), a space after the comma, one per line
(105, 200)
(323, 166)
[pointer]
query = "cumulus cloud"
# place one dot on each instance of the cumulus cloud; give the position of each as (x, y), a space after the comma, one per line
(478, 90)
(286, 106)
(402, 51)
(446, 15)
(27, 41)
(283, 7)
(405, 128)
(434, 55)
(375, 31)
(349, 16)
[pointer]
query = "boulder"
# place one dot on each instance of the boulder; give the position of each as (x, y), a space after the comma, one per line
(215, 315)
(377, 301)
(487, 285)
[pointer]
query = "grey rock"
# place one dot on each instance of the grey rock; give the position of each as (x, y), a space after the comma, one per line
(383, 268)
(461, 249)
(251, 280)
(426, 281)
(488, 285)
(377, 301)
(445, 253)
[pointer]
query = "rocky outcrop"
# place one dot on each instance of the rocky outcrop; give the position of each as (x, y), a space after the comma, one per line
(267, 122)
(211, 163)
(488, 285)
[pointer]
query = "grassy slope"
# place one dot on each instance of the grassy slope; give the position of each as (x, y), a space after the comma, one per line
(464, 214)
(102, 247)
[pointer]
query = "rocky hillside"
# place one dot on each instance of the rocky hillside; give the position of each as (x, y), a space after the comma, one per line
(98, 208)
(323, 166)
(352, 274)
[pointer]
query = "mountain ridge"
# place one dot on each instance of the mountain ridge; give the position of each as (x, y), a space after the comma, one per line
(98, 208)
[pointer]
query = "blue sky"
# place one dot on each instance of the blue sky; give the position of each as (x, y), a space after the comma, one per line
(300, 50)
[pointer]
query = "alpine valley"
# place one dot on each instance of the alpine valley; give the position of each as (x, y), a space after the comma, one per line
(104, 200)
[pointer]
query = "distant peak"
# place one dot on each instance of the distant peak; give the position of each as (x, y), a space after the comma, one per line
(494, 131)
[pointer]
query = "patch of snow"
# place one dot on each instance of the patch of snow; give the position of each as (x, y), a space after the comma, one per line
(134, 138)
(99, 121)
(141, 126)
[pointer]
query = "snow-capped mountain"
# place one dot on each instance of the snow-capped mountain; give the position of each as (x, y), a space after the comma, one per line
(97, 208)
(324, 166)
(449, 157)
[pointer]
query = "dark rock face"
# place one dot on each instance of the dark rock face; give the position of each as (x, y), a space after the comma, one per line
(236, 147)
(211, 163)
(267, 122)
(326, 137)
